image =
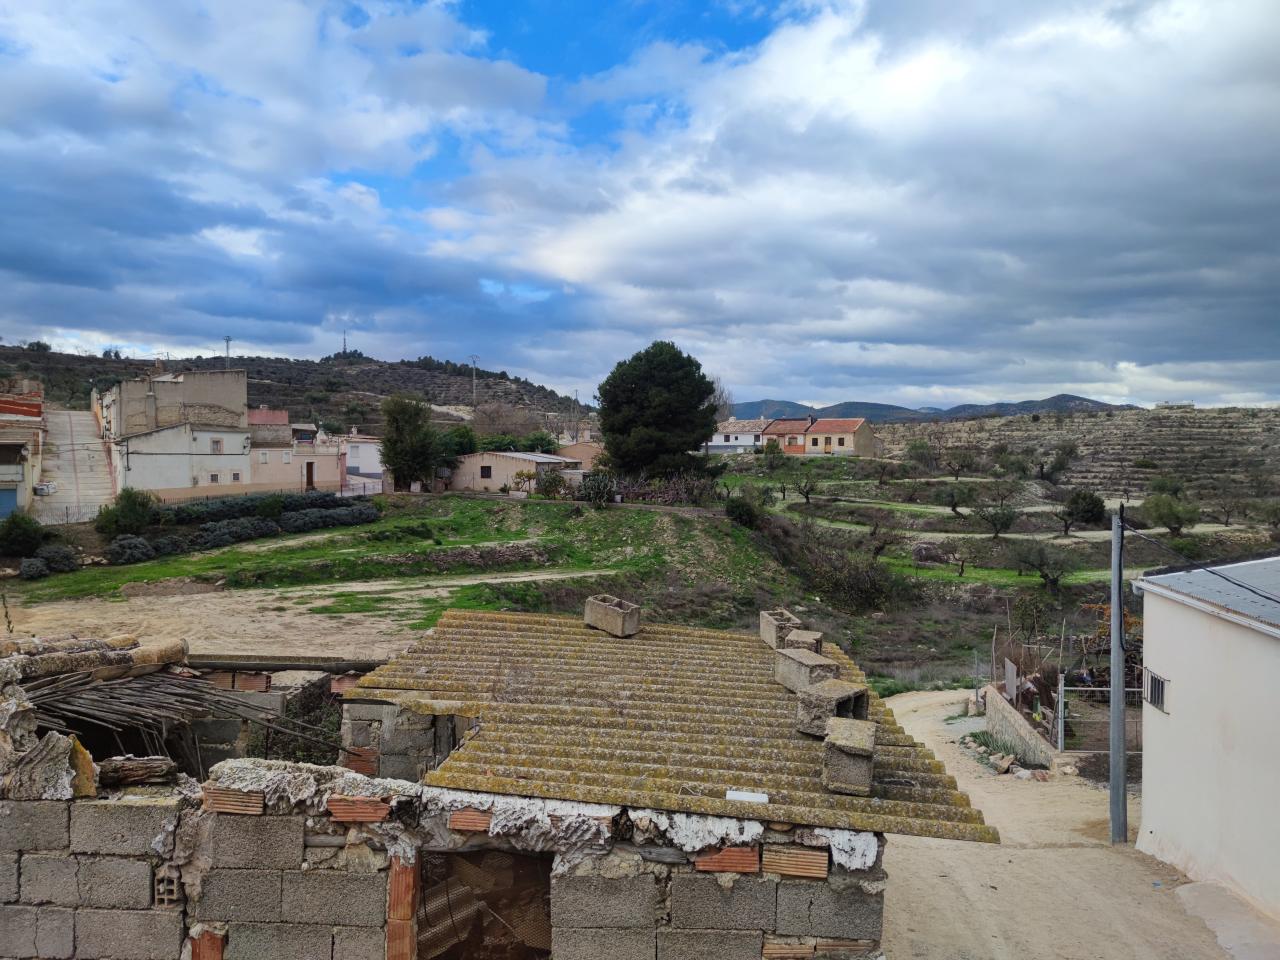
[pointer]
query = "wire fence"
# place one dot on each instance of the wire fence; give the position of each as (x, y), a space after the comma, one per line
(1082, 722)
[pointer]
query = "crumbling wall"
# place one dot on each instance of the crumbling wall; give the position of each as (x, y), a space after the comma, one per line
(387, 740)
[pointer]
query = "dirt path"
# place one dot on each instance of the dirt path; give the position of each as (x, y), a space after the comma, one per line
(1054, 889)
(271, 621)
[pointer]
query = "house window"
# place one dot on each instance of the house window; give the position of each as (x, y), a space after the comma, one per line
(792, 441)
(286, 456)
(1154, 689)
(213, 478)
(486, 473)
(235, 477)
(726, 438)
(264, 456)
(815, 441)
(756, 438)
(840, 442)
(215, 444)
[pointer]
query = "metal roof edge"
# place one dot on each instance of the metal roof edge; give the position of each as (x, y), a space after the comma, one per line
(1204, 606)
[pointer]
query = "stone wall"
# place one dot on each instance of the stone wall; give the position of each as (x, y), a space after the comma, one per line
(1005, 723)
(386, 740)
(657, 904)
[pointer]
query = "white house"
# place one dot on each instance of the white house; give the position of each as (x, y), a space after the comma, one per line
(737, 436)
(364, 455)
(183, 460)
(1211, 740)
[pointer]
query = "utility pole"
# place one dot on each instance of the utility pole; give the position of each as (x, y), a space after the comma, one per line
(227, 363)
(1119, 804)
(344, 343)
(474, 358)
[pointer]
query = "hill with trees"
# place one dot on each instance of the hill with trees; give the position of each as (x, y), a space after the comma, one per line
(889, 413)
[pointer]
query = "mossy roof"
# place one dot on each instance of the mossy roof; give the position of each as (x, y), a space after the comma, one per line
(668, 719)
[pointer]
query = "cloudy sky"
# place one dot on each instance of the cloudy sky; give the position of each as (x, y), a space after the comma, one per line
(924, 202)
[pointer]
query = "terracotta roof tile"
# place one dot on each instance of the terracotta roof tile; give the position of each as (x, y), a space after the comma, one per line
(835, 426)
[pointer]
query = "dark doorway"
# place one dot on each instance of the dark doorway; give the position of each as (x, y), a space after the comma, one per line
(311, 475)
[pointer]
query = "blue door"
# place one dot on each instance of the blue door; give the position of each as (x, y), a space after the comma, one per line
(8, 501)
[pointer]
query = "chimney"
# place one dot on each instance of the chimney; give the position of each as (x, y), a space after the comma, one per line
(848, 756)
(617, 617)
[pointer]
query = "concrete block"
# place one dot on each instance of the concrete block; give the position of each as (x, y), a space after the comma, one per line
(830, 698)
(408, 733)
(114, 884)
(258, 842)
(776, 624)
(620, 618)
(125, 827)
(129, 934)
(848, 756)
(569, 943)
(44, 932)
(811, 908)
(8, 877)
(701, 944)
(397, 766)
(33, 825)
(699, 902)
(354, 900)
(278, 941)
(49, 878)
(369, 711)
(595, 902)
(359, 943)
(240, 895)
(810, 640)
(798, 669)
(361, 733)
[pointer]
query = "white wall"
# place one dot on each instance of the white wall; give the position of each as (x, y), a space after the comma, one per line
(1211, 764)
(169, 459)
(364, 456)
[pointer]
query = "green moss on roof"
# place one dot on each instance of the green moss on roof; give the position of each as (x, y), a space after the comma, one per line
(670, 719)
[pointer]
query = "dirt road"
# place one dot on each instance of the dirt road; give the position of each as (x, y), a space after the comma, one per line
(1054, 889)
(275, 622)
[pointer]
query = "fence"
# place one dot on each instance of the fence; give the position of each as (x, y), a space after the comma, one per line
(1082, 722)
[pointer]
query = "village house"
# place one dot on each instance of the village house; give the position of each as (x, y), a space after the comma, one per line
(179, 435)
(789, 433)
(22, 437)
(515, 786)
(585, 452)
(839, 437)
(490, 471)
(280, 461)
(1211, 655)
(737, 436)
(363, 455)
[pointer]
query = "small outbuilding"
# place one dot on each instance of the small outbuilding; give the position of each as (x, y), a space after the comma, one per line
(492, 470)
(1210, 773)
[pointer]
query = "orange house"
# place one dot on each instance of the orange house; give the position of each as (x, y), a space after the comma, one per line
(839, 437)
(789, 434)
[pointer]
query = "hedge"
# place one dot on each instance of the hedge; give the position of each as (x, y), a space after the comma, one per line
(248, 505)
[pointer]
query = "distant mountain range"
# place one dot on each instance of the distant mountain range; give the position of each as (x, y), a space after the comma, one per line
(888, 413)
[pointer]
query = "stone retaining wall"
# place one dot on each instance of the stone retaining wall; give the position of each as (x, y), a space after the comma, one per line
(1005, 723)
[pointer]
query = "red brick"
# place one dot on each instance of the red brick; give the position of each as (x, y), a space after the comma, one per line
(222, 679)
(358, 809)
(343, 683)
(402, 940)
(792, 860)
(207, 946)
(233, 801)
(257, 682)
(470, 821)
(361, 760)
(402, 893)
(730, 860)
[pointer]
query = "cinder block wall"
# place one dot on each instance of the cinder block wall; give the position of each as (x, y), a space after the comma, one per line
(385, 740)
(83, 879)
(625, 907)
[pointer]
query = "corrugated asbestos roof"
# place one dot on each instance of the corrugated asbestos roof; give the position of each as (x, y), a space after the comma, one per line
(1262, 575)
(668, 719)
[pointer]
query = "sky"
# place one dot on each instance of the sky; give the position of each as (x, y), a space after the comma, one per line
(926, 203)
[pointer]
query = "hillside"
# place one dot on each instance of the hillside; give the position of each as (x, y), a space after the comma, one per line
(346, 391)
(889, 413)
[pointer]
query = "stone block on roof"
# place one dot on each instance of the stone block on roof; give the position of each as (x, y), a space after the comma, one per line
(810, 640)
(798, 669)
(831, 698)
(848, 756)
(615, 616)
(776, 624)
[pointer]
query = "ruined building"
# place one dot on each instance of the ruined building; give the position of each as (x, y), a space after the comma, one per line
(515, 786)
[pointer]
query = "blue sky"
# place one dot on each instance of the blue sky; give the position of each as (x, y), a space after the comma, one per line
(925, 203)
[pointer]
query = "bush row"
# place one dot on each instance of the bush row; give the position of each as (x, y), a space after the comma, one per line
(223, 533)
(269, 505)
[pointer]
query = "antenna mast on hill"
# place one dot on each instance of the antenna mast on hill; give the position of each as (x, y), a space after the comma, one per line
(227, 363)
(344, 343)
(474, 358)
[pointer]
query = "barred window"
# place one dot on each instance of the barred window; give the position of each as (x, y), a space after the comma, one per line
(1154, 690)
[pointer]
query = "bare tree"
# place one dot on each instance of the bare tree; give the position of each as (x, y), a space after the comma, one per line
(723, 399)
(806, 487)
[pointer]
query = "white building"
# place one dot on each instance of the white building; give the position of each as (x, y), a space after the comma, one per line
(364, 455)
(1211, 739)
(184, 460)
(737, 436)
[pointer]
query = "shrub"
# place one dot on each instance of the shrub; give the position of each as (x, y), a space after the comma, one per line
(1189, 547)
(129, 549)
(596, 488)
(223, 533)
(168, 546)
(32, 569)
(1165, 510)
(1145, 463)
(229, 508)
(59, 558)
(133, 511)
(552, 484)
(743, 511)
(20, 535)
(271, 506)
(300, 521)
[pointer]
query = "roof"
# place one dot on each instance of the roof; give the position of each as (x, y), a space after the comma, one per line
(303, 426)
(523, 455)
(667, 719)
(260, 417)
(1202, 589)
(788, 426)
(835, 426)
(742, 426)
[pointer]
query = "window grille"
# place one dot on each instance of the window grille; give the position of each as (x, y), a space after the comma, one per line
(215, 445)
(1155, 689)
(213, 478)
